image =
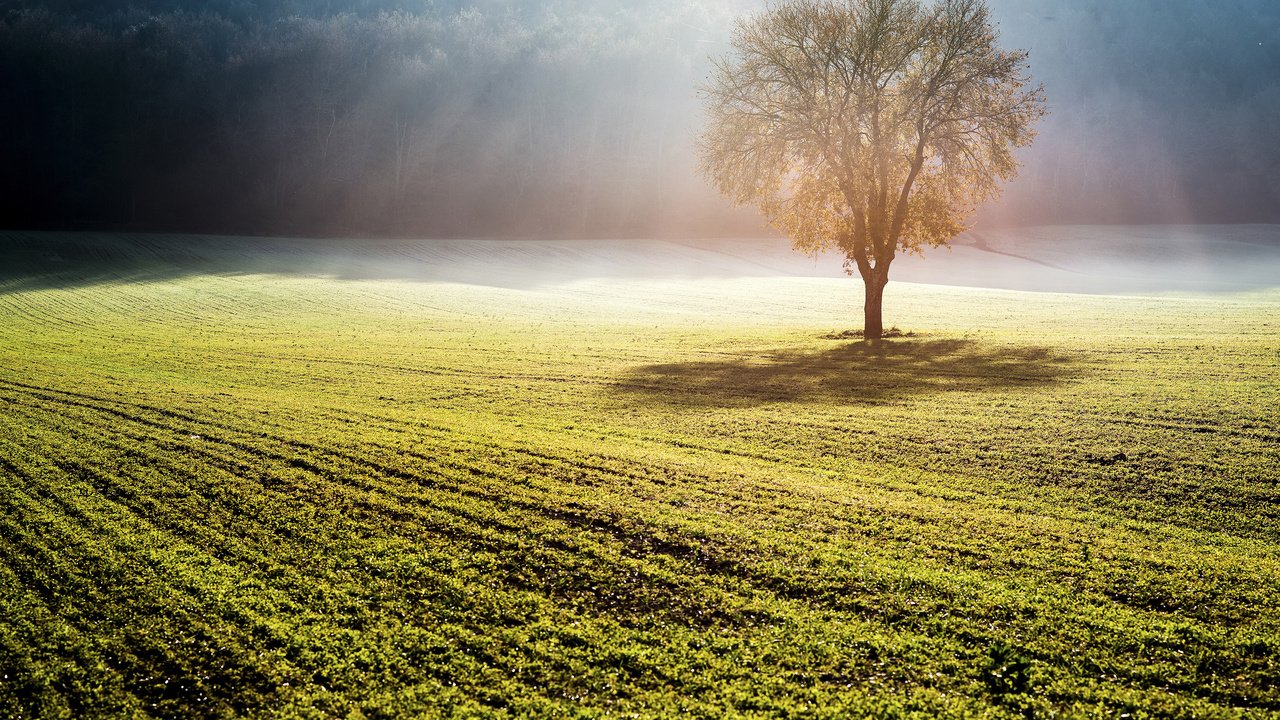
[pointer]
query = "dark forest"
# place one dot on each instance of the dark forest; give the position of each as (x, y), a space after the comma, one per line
(558, 118)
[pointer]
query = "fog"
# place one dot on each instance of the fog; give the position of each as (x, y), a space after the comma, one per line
(1162, 111)
(1109, 259)
(563, 118)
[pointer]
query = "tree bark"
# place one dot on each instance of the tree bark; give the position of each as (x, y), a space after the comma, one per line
(872, 324)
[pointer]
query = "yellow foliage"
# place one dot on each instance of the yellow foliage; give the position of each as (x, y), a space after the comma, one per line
(870, 126)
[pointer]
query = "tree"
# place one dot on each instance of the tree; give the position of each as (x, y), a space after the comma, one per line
(870, 126)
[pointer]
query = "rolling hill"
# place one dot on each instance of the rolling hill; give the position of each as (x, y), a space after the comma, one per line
(285, 477)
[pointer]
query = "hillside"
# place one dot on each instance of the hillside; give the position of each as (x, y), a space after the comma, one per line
(1081, 259)
(300, 478)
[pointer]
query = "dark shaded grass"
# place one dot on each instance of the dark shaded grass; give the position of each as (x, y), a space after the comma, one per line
(862, 372)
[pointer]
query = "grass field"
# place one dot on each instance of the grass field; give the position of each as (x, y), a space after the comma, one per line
(238, 489)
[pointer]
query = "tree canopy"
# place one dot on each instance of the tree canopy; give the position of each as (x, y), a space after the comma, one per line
(869, 126)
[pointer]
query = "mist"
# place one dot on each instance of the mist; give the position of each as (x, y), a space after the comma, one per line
(563, 118)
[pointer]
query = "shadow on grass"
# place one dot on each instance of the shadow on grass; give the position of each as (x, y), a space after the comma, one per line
(875, 371)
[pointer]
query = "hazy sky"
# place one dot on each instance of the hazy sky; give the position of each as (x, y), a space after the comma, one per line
(1161, 110)
(551, 117)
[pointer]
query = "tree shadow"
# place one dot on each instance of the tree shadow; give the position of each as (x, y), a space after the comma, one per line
(859, 372)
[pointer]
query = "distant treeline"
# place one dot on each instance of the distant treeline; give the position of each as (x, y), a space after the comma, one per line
(565, 117)
(1161, 110)
(361, 117)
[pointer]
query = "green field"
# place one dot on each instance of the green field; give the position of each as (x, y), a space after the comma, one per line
(235, 485)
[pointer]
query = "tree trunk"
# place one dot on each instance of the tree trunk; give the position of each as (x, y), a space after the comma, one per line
(872, 324)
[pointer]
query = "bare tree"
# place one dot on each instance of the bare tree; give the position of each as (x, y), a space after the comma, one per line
(870, 126)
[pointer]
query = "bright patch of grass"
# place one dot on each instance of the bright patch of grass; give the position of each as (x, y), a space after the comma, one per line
(276, 494)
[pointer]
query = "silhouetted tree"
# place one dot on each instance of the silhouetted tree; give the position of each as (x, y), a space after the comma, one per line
(870, 126)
